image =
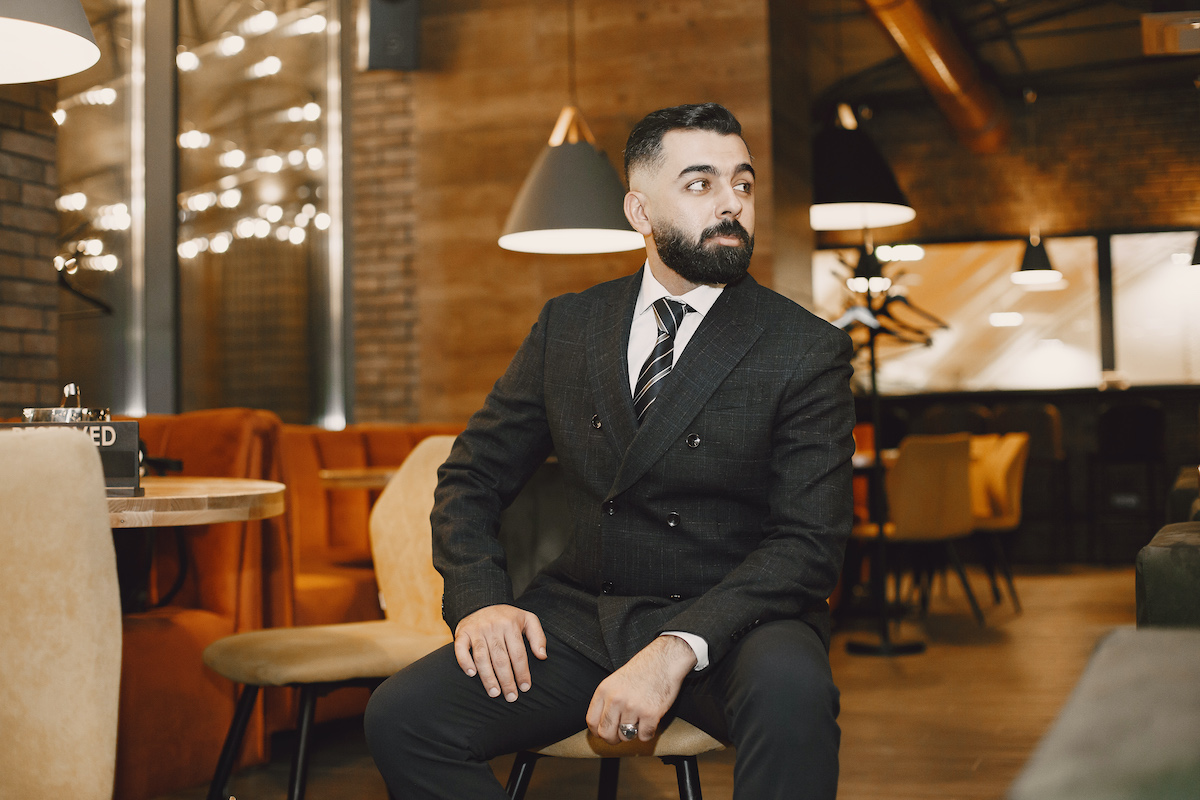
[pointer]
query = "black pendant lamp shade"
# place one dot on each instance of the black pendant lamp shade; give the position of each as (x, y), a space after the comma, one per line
(571, 202)
(1035, 265)
(44, 39)
(853, 186)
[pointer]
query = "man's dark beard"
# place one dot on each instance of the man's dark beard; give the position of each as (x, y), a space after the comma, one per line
(696, 262)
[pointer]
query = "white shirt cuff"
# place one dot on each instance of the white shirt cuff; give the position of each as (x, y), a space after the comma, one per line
(698, 645)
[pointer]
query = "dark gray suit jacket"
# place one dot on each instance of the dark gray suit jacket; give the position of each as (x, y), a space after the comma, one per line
(728, 507)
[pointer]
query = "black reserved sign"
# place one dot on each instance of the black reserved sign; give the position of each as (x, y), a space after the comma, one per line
(118, 443)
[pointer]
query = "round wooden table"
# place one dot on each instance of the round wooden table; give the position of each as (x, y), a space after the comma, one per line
(171, 501)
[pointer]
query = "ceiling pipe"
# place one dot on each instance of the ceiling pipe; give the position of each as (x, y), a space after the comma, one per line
(972, 107)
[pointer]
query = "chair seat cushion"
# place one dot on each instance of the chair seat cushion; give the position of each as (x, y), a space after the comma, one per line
(680, 738)
(319, 653)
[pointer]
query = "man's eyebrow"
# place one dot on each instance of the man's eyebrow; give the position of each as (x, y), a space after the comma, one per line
(709, 169)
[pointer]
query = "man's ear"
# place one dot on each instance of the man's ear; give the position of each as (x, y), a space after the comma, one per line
(635, 212)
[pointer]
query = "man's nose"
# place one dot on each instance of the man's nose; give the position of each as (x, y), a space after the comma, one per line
(729, 204)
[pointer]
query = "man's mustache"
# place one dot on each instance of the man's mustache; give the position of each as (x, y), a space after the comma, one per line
(726, 227)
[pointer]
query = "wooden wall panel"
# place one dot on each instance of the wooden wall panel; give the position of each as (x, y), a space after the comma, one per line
(493, 80)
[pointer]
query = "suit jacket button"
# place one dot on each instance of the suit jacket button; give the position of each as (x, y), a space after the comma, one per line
(607, 587)
(673, 519)
(693, 440)
(610, 507)
(596, 422)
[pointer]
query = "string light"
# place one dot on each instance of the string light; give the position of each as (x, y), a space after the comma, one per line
(194, 140)
(76, 201)
(60, 116)
(232, 159)
(322, 221)
(258, 24)
(99, 96)
(270, 65)
(315, 23)
(187, 61)
(230, 198)
(270, 163)
(113, 217)
(231, 45)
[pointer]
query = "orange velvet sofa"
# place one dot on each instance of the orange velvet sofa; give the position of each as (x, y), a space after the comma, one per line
(173, 712)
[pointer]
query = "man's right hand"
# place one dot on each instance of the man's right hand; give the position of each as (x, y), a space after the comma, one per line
(490, 643)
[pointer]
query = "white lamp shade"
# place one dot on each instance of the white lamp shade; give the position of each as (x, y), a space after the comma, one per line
(858, 216)
(44, 39)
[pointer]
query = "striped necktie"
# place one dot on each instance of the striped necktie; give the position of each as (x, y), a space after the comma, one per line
(669, 314)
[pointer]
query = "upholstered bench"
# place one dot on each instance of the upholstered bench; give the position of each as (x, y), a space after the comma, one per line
(1168, 578)
(1131, 727)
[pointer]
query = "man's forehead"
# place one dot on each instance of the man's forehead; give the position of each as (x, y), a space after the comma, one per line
(685, 148)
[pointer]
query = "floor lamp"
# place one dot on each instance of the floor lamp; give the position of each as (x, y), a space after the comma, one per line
(854, 189)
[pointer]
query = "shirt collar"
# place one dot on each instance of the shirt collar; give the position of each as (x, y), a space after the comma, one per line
(700, 299)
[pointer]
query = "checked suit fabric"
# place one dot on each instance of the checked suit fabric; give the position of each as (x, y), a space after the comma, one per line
(669, 314)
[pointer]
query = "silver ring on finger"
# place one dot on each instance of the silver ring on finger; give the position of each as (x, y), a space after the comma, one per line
(627, 730)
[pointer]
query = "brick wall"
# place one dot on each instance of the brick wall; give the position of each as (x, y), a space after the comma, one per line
(28, 243)
(1096, 161)
(383, 161)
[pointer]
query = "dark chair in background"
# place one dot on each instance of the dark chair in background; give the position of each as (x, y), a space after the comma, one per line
(1047, 489)
(1126, 477)
(954, 418)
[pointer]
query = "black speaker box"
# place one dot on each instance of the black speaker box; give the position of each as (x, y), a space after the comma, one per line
(394, 35)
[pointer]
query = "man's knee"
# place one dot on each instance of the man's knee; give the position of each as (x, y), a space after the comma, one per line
(782, 677)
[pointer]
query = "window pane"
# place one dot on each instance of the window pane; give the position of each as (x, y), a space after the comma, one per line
(1051, 340)
(1156, 297)
(253, 247)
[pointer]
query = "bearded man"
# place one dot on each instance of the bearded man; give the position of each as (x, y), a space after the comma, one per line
(702, 424)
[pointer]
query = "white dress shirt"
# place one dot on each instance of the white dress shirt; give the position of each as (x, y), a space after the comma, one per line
(642, 336)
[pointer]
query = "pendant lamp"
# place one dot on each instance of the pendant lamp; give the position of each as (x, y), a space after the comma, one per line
(44, 39)
(853, 186)
(572, 200)
(1035, 265)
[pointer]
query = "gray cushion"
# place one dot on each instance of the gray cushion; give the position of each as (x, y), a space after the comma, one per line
(1168, 577)
(1131, 727)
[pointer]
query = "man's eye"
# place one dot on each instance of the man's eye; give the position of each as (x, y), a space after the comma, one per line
(745, 186)
(697, 185)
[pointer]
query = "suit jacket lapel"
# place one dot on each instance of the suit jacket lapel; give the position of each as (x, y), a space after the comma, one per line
(608, 357)
(729, 329)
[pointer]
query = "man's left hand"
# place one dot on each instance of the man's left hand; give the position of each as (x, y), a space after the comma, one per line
(642, 691)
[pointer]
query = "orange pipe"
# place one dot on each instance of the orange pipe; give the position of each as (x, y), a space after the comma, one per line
(972, 107)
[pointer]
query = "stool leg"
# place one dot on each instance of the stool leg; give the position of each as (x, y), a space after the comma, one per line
(518, 777)
(688, 775)
(218, 789)
(610, 770)
(299, 776)
(962, 576)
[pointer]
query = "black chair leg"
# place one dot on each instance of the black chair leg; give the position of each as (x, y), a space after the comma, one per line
(1005, 570)
(299, 776)
(519, 775)
(610, 771)
(219, 788)
(688, 775)
(962, 576)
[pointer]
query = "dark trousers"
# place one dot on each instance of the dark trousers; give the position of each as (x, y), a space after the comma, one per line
(432, 730)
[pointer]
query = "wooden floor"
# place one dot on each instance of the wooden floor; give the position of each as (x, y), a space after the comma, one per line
(957, 721)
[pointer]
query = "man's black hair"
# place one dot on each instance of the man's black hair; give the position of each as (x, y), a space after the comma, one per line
(645, 140)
